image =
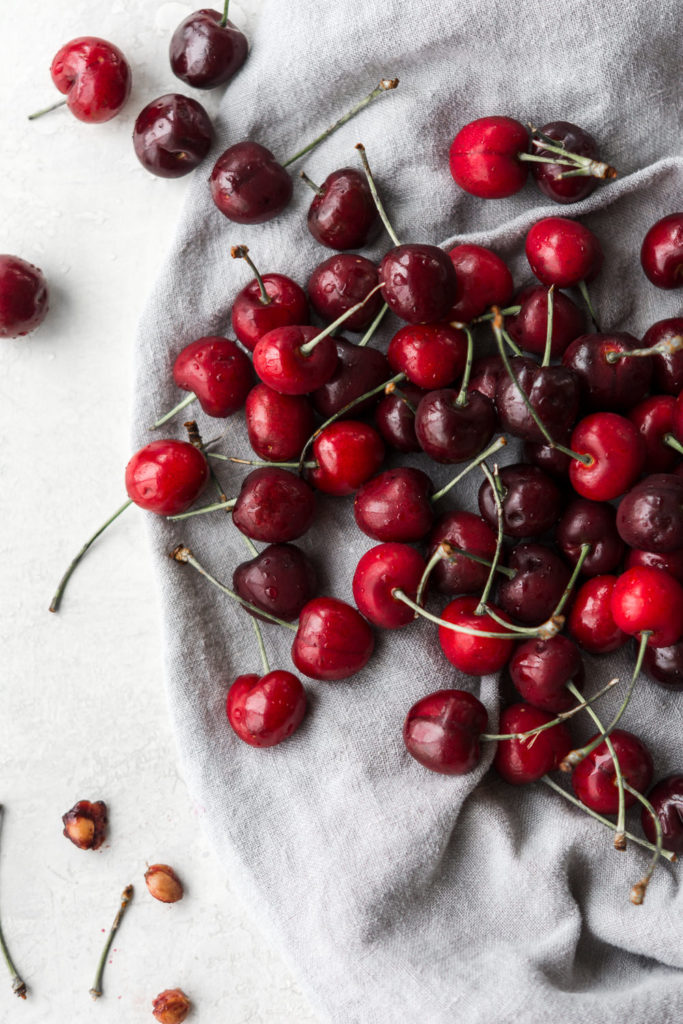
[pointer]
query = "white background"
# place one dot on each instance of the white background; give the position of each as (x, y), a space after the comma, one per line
(83, 712)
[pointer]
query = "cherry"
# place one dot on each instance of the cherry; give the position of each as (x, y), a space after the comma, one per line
(343, 281)
(459, 574)
(248, 185)
(95, 77)
(218, 373)
(528, 760)
(452, 431)
(278, 425)
(23, 297)
(666, 797)
(484, 157)
(529, 327)
(281, 579)
(665, 665)
(266, 710)
(486, 372)
(650, 516)
(594, 523)
(549, 177)
(419, 282)
(166, 476)
(379, 572)
(594, 778)
(430, 355)
(283, 362)
(646, 599)
(616, 452)
(667, 369)
(541, 669)
(591, 622)
(474, 655)
(553, 392)
(607, 383)
(274, 506)
(359, 370)
(531, 501)
(267, 302)
(541, 576)
(343, 214)
(550, 460)
(395, 505)
(395, 417)
(333, 640)
(483, 280)
(661, 254)
(563, 252)
(347, 453)
(172, 135)
(654, 419)
(442, 731)
(672, 561)
(207, 49)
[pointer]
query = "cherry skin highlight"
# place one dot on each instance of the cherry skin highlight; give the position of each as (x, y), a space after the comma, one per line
(166, 477)
(281, 579)
(666, 797)
(650, 516)
(380, 571)
(340, 282)
(204, 53)
(23, 297)
(553, 393)
(617, 454)
(172, 135)
(529, 327)
(661, 255)
(218, 372)
(522, 761)
(431, 355)
(333, 640)
(484, 157)
(343, 214)
(471, 654)
(605, 385)
(274, 506)
(252, 317)
(591, 622)
(264, 711)
(419, 282)
(248, 185)
(280, 363)
(94, 76)
(541, 669)
(395, 505)
(672, 561)
(594, 778)
(649, 599)
(442, 731)
(347, 453)
(484, 280)
(563, 252)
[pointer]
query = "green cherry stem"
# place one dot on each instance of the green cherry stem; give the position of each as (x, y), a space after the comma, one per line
(217, 506)
(583, 288)
(46, 110)
(261, 646)
(583, 555)
(308, 346)
(562, 717)
(584, 165)
(373, 326)
(662, 348)
(375, 194)
(224, 20)
(461, 400)
(495, 484)
(241, 252)
(311, 184)
(61, 587)
(673, 443)
(549, 328)
(259, 462)
(438, 556)
(18, 983)
(499, 443)
(639, 889)
(401, 596)
(486, 317)
(188, 400)
(391, 389)
(451, 552)
(126, 897)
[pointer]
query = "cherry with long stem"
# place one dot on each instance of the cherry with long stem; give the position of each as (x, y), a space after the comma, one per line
(241, 252)
(542, 633)
(18, 983)
(449, 552)
(496, 486)
(562, 717)
(549, 329)
(224, 20)
(668, 347)
(126, 897)
(639, 889)
(46, 110)
(59, 593)
(375, 195)
(308, 346)
(259, 462)
(373, 326)
(580, 166)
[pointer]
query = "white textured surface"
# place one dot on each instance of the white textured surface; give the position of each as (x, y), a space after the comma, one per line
(83, 711)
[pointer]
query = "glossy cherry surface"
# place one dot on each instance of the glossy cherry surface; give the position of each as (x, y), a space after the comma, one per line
(594, 778)
(23, 297)
(563, 252)
(590, 621)
(608, 385)
(474, 655)
(280, 363)
(484, 157)
(442, 731)
(343, 214)
(459, 574)
(665, 665)
(419, 281)
(486, 372)
(645, 598)
(281, 579)
(252, 316)
(541, 669)
(654, 418)
(380, 571)
(672, 561)
(274, 506)
(594, 523)
(553, 393)
(340, 282)
(395, 418)
(395, 505)
(484, 280)
(549, 177)
(532, 595)
(94, 76)
(278, 425)
(347, 453)
(529, 327)
(531, 505)
(430, 355)
(661, 254)
(650, 516)
(550, 460)
(667, 370)
(166, 476)
(248, 185)
(449, 432)
(522, 761)
(172, 135)
(617, 454)
(218, 372)
(205, 53)
(666, 797)
(265, 710)
(359, 370)
(333, 640)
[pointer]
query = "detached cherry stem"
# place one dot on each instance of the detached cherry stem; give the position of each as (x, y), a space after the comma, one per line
(18, 983)
(46, 110)
(562, 717)
(59, 593)
(126, 897)
(549, 329)
(639, 889)
(386, 85)
(499, 443)
(308, 346)
(375, 194)
(241, 252)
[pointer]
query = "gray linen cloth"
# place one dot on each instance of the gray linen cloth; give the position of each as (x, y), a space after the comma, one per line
(398, 895)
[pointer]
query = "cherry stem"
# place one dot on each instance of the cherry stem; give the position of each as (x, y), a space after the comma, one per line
(549, 328)
(308, 346)
(438, 556)
(188, 400)
(583, 288)
(583, 555)
(662, 348)
(18, 983)
(461, 400)
(499, 618)
(241, 252)
(584, 165)
(311, 184)
(261, 647)
(496, 487)
(399, 595)
(126, 897)
(639, 889)
(183, 555)
(451, 552)
(46, 110)
(386, 85)
(391, 389)
(562, 717)
(604, 821)
(205, 508)
(534, 158)
(485, 317)
(499, 443)
(375, 194)
(59, 593)
(224, 20)
(260, 462)
(373, 326)
(673, 443)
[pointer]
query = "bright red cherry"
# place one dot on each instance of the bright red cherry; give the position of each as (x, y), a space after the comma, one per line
(395, 417)
(541, 669)
(616, 451)
(274, 506)
(419, 282)
(459, 574)
(380, 571)
(522, 761)
(23, 297)
(450, 432)
(442, 731)
(217, 371)
(254, 315)
(359, 369)
(248, 185)
(172, 135)
(333, 640)
(550, 177)
(281, 579)
(166, 477)
(654, 419)
(591, 622)
(666, 797)
(594, 523)
(484, 280)
(430, 355)
(348, 453)
(645, 598)
(266, 710)
(529, 327)
(343, 214)
(667, 369)
(661, 254)
(278, 425)
(484, 157)
(395, 505)
(607, 384)
(594, 778)
(474, 655)
(206, 50)
(340, 282)
(95, 77)
(563, 252)
(281, 363)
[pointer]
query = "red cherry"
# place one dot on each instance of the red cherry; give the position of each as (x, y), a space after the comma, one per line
(248, 185)
(95, 77)
(430, 355)
(380, 571)
(529, 327)
(281, 364)
(528, 760)
(274, 506)
(594, 523)
(281, 579)
(483, 280)
(471, 654)
(551, 460)
(550, 177)
(265, 711)
(442, 731)
(395, 505)
(617, 454)
(664, 665)
(484, 157)
(278, 425)
(206, 53)
(661, 254)
(166, 477)
(419, 282)
(333, 640)
(23, 297)
(395, 418)
(649, 599)
(531, 505)
(343, 214)
(348, 453)
(541, 669)
(449, 432)
(666, 797)
(607, 385)
(459, 574)
(594, 778)
(486, 372)
(340, 282)
(672, 561)
(667, 369)
(552, 392)
(252, 317)
(654, 419)
(563, 252)
(532, 595)
(591, 622)
(217, 371)
(650, 516)
(359, 369)
(172, 135)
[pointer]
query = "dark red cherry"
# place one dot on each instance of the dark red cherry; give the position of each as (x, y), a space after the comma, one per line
(654, 419)
(553, 393)
(347, 453)
(419, 283)
(266, 710)
(380, 571)
(550, 460)
(442, 731)
(541, 669)
(549, 177)
(166, 477)
(665, 665)
(594, 523)
(172, 135)
(278, 425)
(274, 506)
(333, 640)
(205, 53)
(531, 505)
(218, 372)
(617, 454)
(529, 327)
(472, 654)
(248, 185)
(395, 505)
(650, 516)
(649, 599)
(459, 574)
(23, 297)
(449, 432)
(534, 592)
(607, 385)
(395, 418)
(281, 579)
(528, 760)
(484, 280)
(283, 366)
(672, 561)
(591, 622)
(94, 76)
(340, 282)
(486, 372)
(430, 355)
(563, 252)
(667, 370)
(359, 370)
(666, 797)
(661, 255)
(252, 317)
(484, 157)
(343, 214)
(594, 778)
